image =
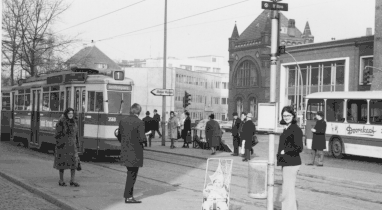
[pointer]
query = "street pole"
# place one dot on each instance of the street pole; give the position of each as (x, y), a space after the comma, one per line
(271, 158)
(164, 77)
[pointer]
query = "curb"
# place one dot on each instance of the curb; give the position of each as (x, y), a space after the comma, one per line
(63, 204)
(325, 178)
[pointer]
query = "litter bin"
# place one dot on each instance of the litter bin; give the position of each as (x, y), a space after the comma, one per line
(257, 178)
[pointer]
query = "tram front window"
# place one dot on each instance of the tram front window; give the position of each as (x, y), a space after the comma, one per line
(119, 102)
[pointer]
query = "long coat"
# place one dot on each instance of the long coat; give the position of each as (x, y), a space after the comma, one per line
(173, 127)
(213, 133)
(249, 129)
(67, 144)
(291, 143)
(319, 141)
(157, 120)
(186, 127)
(131, 135)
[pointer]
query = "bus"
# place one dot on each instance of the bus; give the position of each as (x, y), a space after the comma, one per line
(100, 98)
(353, 119)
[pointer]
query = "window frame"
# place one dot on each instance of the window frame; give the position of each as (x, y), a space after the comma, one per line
(362, 67)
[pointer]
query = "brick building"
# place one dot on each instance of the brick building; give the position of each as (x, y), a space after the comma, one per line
(249, 60)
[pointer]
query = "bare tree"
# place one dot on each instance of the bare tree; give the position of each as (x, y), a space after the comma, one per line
(36, 48)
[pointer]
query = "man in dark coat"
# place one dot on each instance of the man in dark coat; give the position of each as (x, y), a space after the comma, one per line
(131, 135)
(319, 141)
(213, 133)
(249, 129)
(186, 130)
(149, 127)
(235, 134)
(156, 124)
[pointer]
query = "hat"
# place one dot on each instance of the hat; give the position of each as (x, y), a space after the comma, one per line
(249, 115)
(234, 114)
(147, 113)
(155, 110)
(320, 113)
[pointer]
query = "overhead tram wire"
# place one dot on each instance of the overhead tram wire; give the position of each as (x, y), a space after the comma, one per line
(100, 16)
(113, 37)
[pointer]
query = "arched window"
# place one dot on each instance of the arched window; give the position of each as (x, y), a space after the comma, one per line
(239, 106)
(246, 74)
(253, 107)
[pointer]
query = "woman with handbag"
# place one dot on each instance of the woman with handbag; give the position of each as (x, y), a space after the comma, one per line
(67, 146)
(249, 129)
(288, 157)
(186, 132)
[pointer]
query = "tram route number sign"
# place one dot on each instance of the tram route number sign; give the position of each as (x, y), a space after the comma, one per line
(162, 92)
(274, 6)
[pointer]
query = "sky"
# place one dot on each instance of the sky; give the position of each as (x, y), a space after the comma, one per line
(203, 34)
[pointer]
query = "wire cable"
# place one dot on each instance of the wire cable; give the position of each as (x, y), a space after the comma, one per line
(113, 37)
(101, 16)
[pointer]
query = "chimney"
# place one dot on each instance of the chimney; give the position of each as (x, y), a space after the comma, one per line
(291, 27)
(369, 32)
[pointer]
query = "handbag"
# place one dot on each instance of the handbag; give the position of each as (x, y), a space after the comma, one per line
(242, 149)
(79, 168)
(188, 137)
(254, 140)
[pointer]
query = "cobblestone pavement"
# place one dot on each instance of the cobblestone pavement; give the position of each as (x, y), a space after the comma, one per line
(14, 197)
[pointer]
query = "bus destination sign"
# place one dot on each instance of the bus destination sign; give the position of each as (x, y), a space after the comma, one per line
(119, 87)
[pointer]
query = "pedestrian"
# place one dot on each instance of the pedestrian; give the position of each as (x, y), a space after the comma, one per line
(149, 122)
(235, 134)
(67, 146)
(156, 118)
(186, 130)
(319, 141)
(243, 120)
(288, 157)
(249, 130)
(173, 128)
(131, 135)
(213, 133)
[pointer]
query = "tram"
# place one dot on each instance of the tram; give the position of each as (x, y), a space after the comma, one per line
(100, 98)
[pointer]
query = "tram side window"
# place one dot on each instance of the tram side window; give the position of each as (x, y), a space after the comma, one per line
(20, 102)
(62, 100)
(335, 110)
(95, 101)
(28, 105)
(99, 102)
(314, 105)
(6, 102)
(54, 101)
(45, 102)
(376, 112)
(68, 96)
(357, 111)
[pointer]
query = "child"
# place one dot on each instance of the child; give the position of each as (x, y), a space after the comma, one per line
(217, 191)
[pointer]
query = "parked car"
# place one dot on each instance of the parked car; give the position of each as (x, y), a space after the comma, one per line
(226, 125)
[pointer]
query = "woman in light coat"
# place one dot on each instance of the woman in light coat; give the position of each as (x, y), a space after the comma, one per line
(173, 128)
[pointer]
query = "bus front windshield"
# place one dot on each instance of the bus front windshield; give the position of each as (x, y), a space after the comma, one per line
(119, 102)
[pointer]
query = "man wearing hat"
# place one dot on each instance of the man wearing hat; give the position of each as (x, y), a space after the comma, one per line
(149, 122)
(235, 134)
(319, 141)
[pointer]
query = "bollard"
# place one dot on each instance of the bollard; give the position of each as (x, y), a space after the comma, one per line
(257, 178)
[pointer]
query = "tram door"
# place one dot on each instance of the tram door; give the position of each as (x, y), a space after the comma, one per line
(79, 107)
(35, 118)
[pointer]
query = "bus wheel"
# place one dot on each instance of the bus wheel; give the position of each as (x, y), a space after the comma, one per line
(336, 148)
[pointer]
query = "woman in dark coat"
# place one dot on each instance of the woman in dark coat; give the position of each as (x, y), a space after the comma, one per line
(213, 133)
(249, 129)
(288, 157)
(186, 130)
(319, 141)
(67, 146)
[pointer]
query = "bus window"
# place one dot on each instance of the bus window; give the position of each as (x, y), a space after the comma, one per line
(376, 112)
(54, 101)
(334, 110)
(28, 105)
(62, 100)
(314, 105)
(357, 111)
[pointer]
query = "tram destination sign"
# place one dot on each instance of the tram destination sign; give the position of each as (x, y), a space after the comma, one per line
(274, 6)
(119, 87)
(163, 92)
(75, 77)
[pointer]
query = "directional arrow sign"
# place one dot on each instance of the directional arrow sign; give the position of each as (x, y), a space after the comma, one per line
(163, 92)
(274, 6)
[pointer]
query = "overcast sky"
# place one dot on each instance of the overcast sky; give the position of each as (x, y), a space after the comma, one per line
(205, 34)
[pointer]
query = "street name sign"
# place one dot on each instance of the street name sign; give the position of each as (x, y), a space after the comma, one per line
(274, 6)
(163, 92)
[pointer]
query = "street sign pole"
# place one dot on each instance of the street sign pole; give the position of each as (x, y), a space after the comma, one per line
(271, 158)
(164, 77)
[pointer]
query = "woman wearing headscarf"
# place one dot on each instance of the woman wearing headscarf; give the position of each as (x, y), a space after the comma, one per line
(173, 128)
(67, 146)
(288, 157)
(213, 133)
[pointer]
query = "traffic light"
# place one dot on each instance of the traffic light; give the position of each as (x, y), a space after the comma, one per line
(186, 99)
(367, 76)
(281, 50)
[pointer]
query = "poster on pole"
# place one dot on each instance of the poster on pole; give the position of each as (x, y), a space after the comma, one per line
(267, 117)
